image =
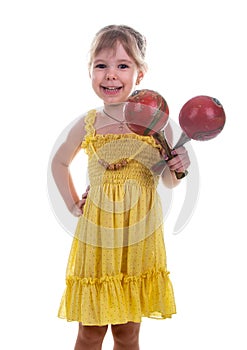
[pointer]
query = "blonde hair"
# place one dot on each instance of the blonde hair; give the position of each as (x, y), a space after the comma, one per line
(132, 41)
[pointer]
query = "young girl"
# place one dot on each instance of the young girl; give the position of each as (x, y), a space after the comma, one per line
(117, 270)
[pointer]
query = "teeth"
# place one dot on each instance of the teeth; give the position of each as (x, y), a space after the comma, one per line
(111, 88)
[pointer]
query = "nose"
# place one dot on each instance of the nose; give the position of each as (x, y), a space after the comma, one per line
(110, 75)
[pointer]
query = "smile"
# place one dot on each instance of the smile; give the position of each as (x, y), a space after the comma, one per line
(111, 90)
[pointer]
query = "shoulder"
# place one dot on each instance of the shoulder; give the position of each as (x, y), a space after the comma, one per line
(78, 128)
(70, 140)
(73, 134)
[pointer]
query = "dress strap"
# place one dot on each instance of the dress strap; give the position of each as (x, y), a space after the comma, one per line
(89, 122)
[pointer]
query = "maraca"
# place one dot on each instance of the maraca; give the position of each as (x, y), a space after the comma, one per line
(147, 113)
(201, 118)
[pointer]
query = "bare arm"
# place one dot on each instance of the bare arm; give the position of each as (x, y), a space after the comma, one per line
(60, 167)
(179, 163)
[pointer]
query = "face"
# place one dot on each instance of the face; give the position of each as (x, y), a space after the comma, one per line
(114, 75)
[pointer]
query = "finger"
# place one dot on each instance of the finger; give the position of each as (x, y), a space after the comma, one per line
(181, 169)
(84, 195)
(77, 211)
(82, 202)
(180, 150)
(179, 154)
(163, 154)
(179, 162)
(175, 160)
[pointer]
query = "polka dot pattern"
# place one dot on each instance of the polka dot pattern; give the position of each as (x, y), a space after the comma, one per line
(117, 269)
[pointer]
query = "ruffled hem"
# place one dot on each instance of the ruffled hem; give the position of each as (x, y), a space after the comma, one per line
(118, 299)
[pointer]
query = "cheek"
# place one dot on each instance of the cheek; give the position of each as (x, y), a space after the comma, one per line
(94, 75)
(130, 79)
(94, 81)
(94, 85)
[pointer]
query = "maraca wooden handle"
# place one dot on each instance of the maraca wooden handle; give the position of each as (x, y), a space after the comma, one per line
(168, 150)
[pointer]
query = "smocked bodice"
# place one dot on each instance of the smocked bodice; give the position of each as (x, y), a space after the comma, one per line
(140, 153)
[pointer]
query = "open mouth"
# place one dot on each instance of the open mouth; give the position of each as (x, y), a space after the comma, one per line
(111, 90)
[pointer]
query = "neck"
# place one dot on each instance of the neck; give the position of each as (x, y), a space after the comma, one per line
(116, 115)
(115, 109)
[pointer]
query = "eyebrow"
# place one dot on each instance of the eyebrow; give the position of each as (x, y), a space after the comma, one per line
(118, 61)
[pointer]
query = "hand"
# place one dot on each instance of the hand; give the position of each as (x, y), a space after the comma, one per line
(77, 209)
(180, 161)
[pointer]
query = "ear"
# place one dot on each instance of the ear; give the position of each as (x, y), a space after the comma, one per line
(139, 77)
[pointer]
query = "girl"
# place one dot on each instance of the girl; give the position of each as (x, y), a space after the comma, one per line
(117, 266)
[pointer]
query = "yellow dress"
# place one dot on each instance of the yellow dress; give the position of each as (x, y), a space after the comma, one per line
(117, 269)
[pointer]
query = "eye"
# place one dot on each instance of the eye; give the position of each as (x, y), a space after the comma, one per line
(123, 66)
(100, 66)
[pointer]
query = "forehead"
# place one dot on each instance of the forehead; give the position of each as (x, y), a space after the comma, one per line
(118, 52)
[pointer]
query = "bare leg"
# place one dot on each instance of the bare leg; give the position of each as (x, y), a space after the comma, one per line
(90, 337)
(126, 336)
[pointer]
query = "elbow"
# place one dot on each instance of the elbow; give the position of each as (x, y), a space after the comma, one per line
(54, 167)
(57, 166)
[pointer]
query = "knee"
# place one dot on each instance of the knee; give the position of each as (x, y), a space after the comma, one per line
(127, 334)
(91, 335)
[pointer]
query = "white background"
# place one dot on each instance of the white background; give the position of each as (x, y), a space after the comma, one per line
(194, 47)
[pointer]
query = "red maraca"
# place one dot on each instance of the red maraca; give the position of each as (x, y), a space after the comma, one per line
(201, 118)
(146, 113)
